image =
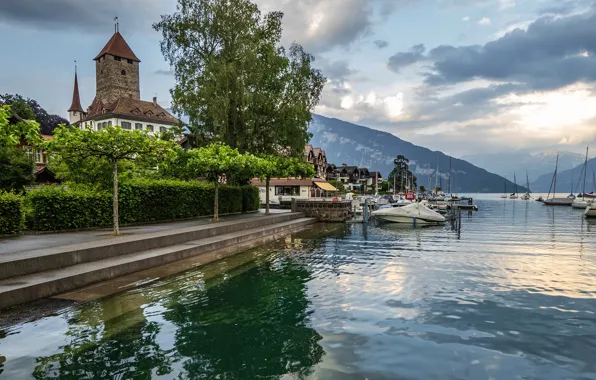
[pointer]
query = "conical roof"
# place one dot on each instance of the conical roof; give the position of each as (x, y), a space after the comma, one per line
(76, 100)
(117, 46)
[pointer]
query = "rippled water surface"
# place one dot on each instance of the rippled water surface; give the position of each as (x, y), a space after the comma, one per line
(509, 296)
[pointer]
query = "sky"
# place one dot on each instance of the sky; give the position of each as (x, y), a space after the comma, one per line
(461, 76)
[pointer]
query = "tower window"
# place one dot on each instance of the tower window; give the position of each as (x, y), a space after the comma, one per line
(123, 72)
(129, 61)
(117, 58)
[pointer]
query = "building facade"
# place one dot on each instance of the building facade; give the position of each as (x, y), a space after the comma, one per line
(117, 96)
(318, 158)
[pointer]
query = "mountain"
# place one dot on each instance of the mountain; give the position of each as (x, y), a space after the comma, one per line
(536, 164)
(352, 144)
(564, 178)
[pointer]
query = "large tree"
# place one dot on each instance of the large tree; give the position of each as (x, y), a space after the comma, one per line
(234, 80)
(111, 145)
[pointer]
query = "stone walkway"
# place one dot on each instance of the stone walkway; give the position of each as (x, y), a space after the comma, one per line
(30, 242)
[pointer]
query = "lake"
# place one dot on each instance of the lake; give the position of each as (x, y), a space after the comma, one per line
(510, 295)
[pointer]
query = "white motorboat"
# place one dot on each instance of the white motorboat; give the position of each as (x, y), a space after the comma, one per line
(414, 213)
(526, 197)
(558, 202)
(590, 211)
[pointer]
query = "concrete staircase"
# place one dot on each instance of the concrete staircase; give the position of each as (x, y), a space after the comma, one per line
(32, 275)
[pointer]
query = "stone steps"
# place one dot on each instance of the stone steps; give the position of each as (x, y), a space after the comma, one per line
(33, 286)
(39, 260)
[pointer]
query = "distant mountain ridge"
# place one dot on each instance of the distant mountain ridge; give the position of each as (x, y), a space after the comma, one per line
(536, 164)
(567, 180)
(352, 144)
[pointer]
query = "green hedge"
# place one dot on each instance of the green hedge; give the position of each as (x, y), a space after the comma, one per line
(53, 208)
(11, 214)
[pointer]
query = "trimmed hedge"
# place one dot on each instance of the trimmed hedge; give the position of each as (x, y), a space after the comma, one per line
(55, 208)
(11, 214)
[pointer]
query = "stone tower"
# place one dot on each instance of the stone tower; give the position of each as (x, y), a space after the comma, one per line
(116, 71)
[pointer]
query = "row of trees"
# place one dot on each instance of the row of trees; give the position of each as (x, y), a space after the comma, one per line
(137, 154)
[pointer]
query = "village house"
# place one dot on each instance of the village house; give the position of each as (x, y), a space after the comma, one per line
(117, 96)
(317, 157)
(354, 178)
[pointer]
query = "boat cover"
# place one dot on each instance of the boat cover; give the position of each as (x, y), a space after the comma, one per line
(414, 210)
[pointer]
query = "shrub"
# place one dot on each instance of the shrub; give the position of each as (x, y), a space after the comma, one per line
(53, 208)
(11, 215)
(140, 201)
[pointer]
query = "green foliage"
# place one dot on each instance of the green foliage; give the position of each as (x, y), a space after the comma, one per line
(12, 132)
(53, 208)
(16, 169)
(11, 216)
(339, 185)
(109, 146)
(422, 189)
(235, 81)
(95, 172)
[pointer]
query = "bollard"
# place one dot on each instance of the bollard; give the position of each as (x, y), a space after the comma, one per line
(294, 205)
(365, 212)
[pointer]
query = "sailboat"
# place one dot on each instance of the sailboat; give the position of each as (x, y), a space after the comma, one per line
(554, 201)
(514, 195)
(504, 195)
(526, 196)
(586, 199)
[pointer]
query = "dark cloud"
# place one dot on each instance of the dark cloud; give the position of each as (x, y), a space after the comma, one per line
(381, 44)
(550, 54)
(88, 15)
(403, 59)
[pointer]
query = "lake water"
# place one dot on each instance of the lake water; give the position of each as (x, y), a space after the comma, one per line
(512, 295)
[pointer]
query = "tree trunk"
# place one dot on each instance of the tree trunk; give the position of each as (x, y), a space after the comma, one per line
(216, 203)
(115, 198)
(267, 212)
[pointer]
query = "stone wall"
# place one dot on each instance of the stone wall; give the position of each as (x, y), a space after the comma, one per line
(324, 211)
(116, 79)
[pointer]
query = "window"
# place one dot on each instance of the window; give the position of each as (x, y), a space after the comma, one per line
(162, 129)
(148, 113)
(149, 127)
(74, 113)
(38, 157)
(136, 112)
(287, 190)
(99, 126)
(138, 126)
(129, 61)
(123, 72)
(126, 125)
(109, 124)
(117, 58)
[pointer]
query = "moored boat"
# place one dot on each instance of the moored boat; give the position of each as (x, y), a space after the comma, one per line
(590, 211)
(415, 213)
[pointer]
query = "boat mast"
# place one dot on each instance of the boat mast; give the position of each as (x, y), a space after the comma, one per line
(514, 184)
(585, 172)
(450, 175)
(555, 178)
(527, 183)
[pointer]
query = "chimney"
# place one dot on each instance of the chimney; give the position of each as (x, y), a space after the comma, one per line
(155, 101)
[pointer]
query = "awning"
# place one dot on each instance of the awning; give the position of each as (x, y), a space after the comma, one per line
(325, 186)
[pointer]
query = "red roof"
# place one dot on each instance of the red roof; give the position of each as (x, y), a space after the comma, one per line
(76, 100)
(118, 47)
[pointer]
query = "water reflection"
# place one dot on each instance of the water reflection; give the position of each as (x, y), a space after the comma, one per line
(510, 294)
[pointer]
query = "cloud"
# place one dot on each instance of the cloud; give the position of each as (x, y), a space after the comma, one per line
(165, 72)
(335, 70)
(381, 44)
(89, 15)
(321, 25)
(504, 4)
(484, 21)
(466, 19)
(551, 53)
(403, 59)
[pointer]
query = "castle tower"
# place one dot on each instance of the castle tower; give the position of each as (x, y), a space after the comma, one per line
(116, 71)
(75, 112)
